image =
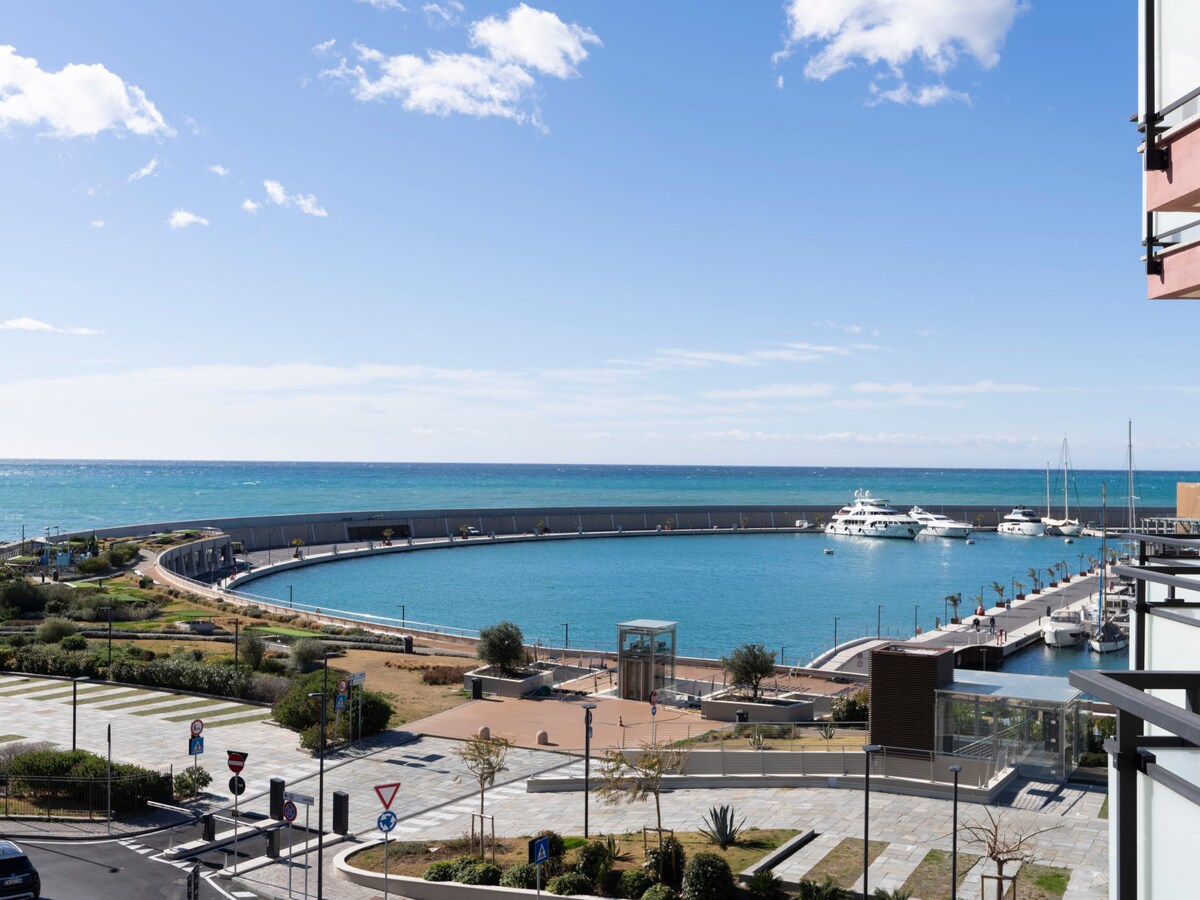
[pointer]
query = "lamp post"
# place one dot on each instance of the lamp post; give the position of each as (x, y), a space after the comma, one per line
(587, 761)
(916, 612)
(954, 838)
(566, 637)
(74, 697)
(109, 610)
(236, 641)
(868, 749)
(835, 624)
(323, 693)
(290, 606)
(403, 615)
(879, 621)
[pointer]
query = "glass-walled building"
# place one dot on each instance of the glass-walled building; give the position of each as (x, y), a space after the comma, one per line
(645, 658)
(1028, 722)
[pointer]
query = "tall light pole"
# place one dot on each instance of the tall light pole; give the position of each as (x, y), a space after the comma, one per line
(290, 606)
(916, 612)
(835, 624)
(321, 779)
(566, 636)
(868, 749)
(236, 641)
(879, 621)
(403, 614)
(74, 697)
(954, 838)
(109, 610)
(587, 761)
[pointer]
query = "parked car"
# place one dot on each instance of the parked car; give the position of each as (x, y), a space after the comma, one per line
(19, 879)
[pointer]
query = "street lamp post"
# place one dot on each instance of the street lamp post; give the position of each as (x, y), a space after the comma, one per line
(109, 610)
(868, 749)
(74, 697)
(290, 606)
(587, 761)
(916, 613)
(835, 624)
(879, 621)
(236, 641)
(323, 693)
(954, 838)
(566, 637)
(403, 614)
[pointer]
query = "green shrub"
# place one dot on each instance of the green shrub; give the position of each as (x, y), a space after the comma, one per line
(251, 649)
(73, 643)
(707, 876)
(855, 708)
(633, 884)
(271, 666)
(1093, 759)
(440, 871)
(203, 678)
(267, 688)
(145, 582)
(568, 884)
(480, 873)
(522, 875)
(659, 892)
(297, 711)
(26, 771)
(54, 630)
(21, 600)
(502, 646)
(822, 890)
(39, 659)
(191, 781)
(439, 675)
(462, 863)
(593, 860)
(666, 865)
(94, 565)
(16, 641)
(306, 652)
(765, 885)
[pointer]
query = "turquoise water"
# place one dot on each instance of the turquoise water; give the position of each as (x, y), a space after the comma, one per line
(90, 493)
(782, 590)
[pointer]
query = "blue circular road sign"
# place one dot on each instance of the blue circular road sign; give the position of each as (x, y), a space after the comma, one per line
(386, 821)
(289, 811)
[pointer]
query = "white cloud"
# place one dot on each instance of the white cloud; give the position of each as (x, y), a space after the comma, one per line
(894, 33)
(384, 4)
(497, 82)
(78, 100)
(926, 95)
(534, 39)
(28, 324)
(907, 387)
(98, 223)
(324, 47)
(192, 124)
(443, 14)
(218, 169)
(250, 206)
(145, 170)
(774, 392)
(278, 195)
(181, 218)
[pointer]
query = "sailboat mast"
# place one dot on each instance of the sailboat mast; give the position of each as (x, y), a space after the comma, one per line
(1047, 490)
(1066, 466)
(1103, 553)
(1132, 501)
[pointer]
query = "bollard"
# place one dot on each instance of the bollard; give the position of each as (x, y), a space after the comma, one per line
(476, 688)
(341, 812)
(273, 843)
(209, 827)
(278, 785)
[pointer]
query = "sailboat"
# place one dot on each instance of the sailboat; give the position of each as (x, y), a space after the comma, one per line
(1066, 526)
(1108, 637)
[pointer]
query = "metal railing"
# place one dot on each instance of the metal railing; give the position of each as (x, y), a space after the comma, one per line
(48, 796)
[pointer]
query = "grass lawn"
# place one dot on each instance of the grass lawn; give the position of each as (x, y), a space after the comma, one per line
(413, 857)
(1104, 809)
(779, 738)
(930, 880)
(285, 631)
(1036, 882)
(844, 863)
(399, 675)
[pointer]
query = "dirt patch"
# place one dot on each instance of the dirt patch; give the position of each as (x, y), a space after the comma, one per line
(930, 880)
(400, 676)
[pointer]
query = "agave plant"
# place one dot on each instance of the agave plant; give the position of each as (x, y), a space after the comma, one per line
(821, 890)
(721, 826)
(615, 852)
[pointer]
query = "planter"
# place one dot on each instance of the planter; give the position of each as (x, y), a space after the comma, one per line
(1020, 596)
(788, 708)
(518, 686)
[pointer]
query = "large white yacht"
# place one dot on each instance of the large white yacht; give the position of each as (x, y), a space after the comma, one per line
(871, 517)
(1022, 520)
(1064, 628)
(937, 525)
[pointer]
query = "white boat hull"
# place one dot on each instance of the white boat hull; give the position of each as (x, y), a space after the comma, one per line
(947, 531)
(1062, 527)
(895, 532)
(1062, 637)
(1023, 529)
(1108, 646)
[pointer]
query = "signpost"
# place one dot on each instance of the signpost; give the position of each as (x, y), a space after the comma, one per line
(358, 679)
(193, 883)
(290, 799)
(539, 855)
(386, 822)
(237, 786)
(195, 742)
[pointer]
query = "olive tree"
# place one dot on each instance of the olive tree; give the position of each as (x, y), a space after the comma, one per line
(748, 667)
(484, 758)
(503, 646)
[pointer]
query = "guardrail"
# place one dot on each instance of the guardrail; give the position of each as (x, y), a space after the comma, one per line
(45, 796)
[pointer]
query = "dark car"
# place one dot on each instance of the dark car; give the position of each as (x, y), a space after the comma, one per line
(18, 878)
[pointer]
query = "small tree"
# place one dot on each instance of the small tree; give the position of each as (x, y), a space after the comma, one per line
(955, 600)
(636, 778)
(1034, 574)
(1020, 586)
(387, 536)
(484, 758)
(503, 646)
(748, 667)
(297, 543)
(855, 708)
(1050, 570)
(999, 589)
(1002, 846)
(305, 652)
(251, 649)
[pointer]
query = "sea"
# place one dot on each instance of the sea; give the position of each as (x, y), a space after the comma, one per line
(782, 590)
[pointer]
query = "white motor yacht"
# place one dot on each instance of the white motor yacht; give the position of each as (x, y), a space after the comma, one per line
(869, 516)
(938, 525)
(1065, 628)
(1022, 520)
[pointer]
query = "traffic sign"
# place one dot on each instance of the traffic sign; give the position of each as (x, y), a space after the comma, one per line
(195, 746)
(358, 677)
(386, 821)
(342, 685)
(237, 785)
(539, 850)
(387, 793)
(339, 702)
(304, 799)
(653, 710)
(289, 811)
(653, 697)
(197, 727)
(237, 760)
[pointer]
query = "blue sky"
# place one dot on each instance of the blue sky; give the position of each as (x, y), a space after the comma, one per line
(853, 232)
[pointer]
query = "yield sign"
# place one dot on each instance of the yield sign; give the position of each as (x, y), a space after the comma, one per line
(387, 793)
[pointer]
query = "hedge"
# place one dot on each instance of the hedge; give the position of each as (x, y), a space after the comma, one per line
(42, 659)
(197, 677)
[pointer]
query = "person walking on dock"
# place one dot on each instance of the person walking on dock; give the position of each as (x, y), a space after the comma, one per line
(991, 625)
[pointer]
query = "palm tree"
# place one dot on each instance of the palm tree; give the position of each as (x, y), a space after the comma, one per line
(1033, 573)
(297, 543)
(1020, 587)
(999, 589)
(387, 536)
(954, 600)
(1081, 569)
(1050, 570)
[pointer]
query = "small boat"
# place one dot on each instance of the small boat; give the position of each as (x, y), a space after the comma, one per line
(869, 516)
(937, 525)
(1064, 629)
(829, 551)
(1109, 638)
(1023, 521)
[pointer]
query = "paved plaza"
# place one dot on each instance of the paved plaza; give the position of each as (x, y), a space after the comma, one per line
(438, 796)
